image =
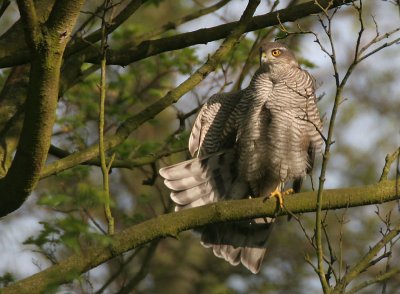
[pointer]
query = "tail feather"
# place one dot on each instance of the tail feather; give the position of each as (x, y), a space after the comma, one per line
(210, 179)
(252, 258)
(201, 180)
(198, 166)
(240, 242)
(199, 202)
(231, 254)
(186, 183)
(183, 197)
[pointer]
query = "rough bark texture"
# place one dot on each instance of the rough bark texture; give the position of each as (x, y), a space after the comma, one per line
(46, 43)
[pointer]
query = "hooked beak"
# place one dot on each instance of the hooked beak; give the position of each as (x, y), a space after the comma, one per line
(263, 58)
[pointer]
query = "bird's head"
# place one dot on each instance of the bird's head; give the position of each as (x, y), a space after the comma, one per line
(276, 55)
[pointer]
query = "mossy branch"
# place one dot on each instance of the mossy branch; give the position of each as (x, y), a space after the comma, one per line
(173, 25)
(9, 57)
(30, 21)
(365, 262)
(171, 97)
(202, 36)
(130, 163)
(105, 168)
(46, 46)
(378, 279)
(389, 160)
(173, 223)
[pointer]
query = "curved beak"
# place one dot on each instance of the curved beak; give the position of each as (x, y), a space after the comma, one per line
(263, 57)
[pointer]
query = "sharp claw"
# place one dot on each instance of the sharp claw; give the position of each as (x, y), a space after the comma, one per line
(278, 194)
(288, 192)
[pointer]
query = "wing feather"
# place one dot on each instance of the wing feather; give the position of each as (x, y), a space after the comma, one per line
(215, 126)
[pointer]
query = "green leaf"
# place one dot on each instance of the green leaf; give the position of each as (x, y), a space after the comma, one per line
(6, 279)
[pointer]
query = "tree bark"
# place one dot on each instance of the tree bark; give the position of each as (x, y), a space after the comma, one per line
(46, 43)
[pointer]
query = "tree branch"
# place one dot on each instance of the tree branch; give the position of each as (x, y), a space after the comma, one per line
(202, 36)
(390, 158)
(40, 111)
(365, 261)
(149, 48)
(113, 25)
(29, 19)
(123, 163)
(63, 15)
(172, 25)
(173, 96)
(173, 223)
(383, 277)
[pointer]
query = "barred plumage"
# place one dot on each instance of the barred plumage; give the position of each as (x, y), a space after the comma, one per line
(248, 143)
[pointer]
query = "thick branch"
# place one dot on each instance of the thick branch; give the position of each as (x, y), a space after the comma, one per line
(30, 21)
(63, 15)
(12, 100)
(12, 42)
(40, 111)
(173, 96)
(178, 22)
(173, 223)
(202, 36)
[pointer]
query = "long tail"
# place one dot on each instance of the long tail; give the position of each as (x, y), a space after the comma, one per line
(200, 181)
(209, 179)
(240, 242)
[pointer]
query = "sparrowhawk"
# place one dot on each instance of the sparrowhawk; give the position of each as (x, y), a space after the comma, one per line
(250, 143)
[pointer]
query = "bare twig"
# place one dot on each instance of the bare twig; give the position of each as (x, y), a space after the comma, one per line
(93, 220)
(105, 168)
(380, 278)
(173, 25)
(390, 158)
(365, 261)
(115, 275)
(340, 84)
(125, 163)
(141, 274)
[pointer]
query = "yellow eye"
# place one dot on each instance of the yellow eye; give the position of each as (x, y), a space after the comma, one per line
(276, 52)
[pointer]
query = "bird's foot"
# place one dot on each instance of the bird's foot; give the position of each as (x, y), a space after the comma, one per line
(279, 195)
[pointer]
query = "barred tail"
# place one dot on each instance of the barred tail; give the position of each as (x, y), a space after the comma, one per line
(240, 242)
(204, 180)
(209, 179)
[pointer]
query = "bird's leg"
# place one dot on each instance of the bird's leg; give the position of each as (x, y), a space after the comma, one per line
(278, 193)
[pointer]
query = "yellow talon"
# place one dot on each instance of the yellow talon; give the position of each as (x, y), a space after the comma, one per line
(278, 194)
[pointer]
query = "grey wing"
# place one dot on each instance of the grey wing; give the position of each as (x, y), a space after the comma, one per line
(204, 180)
(214, 128)
(213, 175)
(313, 127)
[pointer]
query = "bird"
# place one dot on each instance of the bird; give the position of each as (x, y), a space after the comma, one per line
(246, 144)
